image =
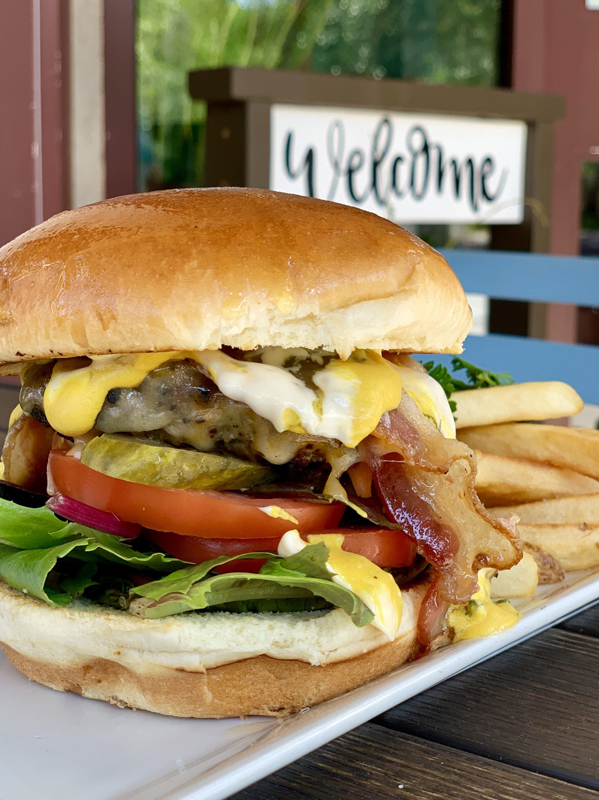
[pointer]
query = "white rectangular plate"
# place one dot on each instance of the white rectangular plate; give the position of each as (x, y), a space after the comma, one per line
(62, 747)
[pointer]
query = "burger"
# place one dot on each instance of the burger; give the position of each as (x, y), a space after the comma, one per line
(229, 488)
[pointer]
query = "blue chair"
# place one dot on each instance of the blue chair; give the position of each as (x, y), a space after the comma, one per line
(537, 278)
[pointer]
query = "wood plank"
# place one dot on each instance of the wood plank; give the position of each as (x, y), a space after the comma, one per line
(527, 276)
(534, 360)
(230, 84)
(535, 706)
(586, 623)
(372, 763)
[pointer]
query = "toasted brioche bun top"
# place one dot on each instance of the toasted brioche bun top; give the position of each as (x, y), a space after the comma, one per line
(196, 269)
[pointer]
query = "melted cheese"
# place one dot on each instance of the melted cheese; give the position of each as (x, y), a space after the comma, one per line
(276, 512)
(14, 415)
(429, 397)
(346, 404)
(76, 393)
(376, 588)
(350, 399)
(482, 617)
(356, 394)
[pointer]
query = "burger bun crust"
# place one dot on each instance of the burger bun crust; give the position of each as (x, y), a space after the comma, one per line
(261, 664)
(197, 269)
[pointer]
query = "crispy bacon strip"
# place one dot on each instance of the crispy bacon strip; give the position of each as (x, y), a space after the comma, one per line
(427, 484)
(25, 453)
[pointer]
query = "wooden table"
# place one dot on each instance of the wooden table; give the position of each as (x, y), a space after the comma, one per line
(522, 726)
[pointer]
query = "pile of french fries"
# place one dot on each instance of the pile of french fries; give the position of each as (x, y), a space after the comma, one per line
(545, 475)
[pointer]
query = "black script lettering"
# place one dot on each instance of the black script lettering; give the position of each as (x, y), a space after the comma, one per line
(335, 148)
(397, 190)
(307, 166)
(486, 170)
(384, 133)
(420, 155)
(355, 162)
(458, 170)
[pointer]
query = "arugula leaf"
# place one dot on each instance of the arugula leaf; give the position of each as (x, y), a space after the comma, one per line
(476, 378)
(310, 562)
(57, 561)
(242, 587)
(298, 576)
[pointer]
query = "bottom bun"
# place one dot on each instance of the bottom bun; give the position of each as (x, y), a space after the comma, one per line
(159, 665)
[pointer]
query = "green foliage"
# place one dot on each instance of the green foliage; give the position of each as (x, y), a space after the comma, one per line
(57, 562)
(176, 36)
(476, 378)
(437, 41)
(296, 578)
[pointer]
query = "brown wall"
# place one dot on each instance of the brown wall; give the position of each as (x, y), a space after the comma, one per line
(34, 121)
(18, 192)
(119, 82)
(33, 184)
(556, 50)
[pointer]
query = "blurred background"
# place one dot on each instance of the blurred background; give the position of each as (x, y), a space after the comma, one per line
(99, 88)
(95, 102)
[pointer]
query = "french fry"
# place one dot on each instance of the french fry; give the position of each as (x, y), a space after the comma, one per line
(519, 581)
(575, 546)
(501, 481)
(550, 570)
(576, 449)
(581, 510)
(515, 403)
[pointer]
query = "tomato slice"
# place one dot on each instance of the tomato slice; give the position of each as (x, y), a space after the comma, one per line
(384, 547)
(212, 515)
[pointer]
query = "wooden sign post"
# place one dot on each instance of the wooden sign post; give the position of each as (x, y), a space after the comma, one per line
(246, 108)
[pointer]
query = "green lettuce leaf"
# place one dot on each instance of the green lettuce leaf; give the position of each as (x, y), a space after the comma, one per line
(279, 579)
(310, 562)
(34, 540)
(31, 528)
(76, 584)
(28, 570)
(57, 561)
(237, 587)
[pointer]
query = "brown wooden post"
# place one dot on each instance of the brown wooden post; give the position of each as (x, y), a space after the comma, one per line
(32, 110)
(119, 90)
(239, 101)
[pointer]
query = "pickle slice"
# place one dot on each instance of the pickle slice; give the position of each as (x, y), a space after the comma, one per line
(156, 464)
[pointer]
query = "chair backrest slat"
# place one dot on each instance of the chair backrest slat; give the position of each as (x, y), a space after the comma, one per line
(537, 360)
(531, 277)
(540, 278)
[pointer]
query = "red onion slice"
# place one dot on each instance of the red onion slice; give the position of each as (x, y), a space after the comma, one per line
(104, 521)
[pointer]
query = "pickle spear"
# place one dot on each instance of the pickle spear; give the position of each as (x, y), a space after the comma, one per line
(156, 464)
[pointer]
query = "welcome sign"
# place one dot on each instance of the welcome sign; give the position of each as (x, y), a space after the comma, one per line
(408, 167)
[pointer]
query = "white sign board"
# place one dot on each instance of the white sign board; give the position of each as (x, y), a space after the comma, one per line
(592, 5)
(407, 167)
